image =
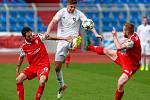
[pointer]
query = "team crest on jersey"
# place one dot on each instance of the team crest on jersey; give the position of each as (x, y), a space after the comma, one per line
(74, 19)
(36, 41)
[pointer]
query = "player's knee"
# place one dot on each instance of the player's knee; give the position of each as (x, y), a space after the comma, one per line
(18, 80)
(42, 82)
(57, 68)
(120, 84)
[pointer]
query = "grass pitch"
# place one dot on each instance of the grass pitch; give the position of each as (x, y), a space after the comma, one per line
(85, 82)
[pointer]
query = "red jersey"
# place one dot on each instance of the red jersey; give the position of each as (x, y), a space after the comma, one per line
(133, 54)
(36, 52)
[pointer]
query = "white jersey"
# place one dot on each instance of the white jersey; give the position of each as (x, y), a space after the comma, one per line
(68, 23)
(144, 33)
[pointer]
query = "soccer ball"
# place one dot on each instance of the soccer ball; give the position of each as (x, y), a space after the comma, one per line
(88, 24)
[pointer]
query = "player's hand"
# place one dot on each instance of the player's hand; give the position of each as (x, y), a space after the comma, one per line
(46, 35)
(69, 38)
(99, 36)
(114, 32)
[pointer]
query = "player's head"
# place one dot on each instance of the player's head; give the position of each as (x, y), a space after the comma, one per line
(145, 20)
(27, 34)
(128, 30)
(71, 5)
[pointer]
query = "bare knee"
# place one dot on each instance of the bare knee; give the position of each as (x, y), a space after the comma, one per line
(42, 80)
(21, 78)
(120, 85)
(58, 66)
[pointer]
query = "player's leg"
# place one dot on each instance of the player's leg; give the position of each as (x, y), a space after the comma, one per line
(19, 84)
(59, 75)
(147, 60)
(43, 77)
(120, 86)
(143, 58)
(41, 87)
(142, 62)
(103, 51)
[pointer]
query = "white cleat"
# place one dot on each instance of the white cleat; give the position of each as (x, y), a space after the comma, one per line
(61, 91)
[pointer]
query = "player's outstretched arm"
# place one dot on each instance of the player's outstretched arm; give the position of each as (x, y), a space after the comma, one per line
(50, 25)
(96, 34)
(20, 60)
(68, 38)
(116, 41)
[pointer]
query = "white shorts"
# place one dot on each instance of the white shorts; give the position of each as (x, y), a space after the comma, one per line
(61, 50)
(145, 48)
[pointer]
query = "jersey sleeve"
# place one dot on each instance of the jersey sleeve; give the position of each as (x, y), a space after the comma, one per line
(82, 16)
(129, 43)
(22, 53)
(58, 15)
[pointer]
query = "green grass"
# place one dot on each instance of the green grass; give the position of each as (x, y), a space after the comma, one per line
(85, 82)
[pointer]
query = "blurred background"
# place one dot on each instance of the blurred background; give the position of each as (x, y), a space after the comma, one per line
(15, 14)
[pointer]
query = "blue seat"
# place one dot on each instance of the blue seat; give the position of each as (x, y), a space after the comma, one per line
(2, 18)
(87, 1)
(2, 27)
(105, 14)
(107, 1)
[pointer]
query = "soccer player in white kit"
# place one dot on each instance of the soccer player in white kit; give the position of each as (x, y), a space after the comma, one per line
(68, 20)
(143, 31)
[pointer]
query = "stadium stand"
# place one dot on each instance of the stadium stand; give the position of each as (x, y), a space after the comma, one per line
(105, 14)
(20, 14)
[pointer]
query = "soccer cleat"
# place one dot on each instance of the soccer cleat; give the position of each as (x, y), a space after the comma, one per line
(87, 42)
(61, 91)
(142, 68)
(146, 69)
(76, 42)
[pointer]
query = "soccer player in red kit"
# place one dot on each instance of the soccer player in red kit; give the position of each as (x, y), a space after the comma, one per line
(128, 60)
(39, 66)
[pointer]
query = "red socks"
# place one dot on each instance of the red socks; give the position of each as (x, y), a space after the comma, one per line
(118, 95)
(20, 91)
(39, 92)
(97, 49)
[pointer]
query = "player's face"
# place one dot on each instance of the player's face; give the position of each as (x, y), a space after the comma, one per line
(29, 36)
(145, 21)
(124, 32)
(71, 8)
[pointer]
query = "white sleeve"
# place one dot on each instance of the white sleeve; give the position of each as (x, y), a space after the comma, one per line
(58, 15)
(129, 43)
(82, 15)
(22, 53)
(42, 37)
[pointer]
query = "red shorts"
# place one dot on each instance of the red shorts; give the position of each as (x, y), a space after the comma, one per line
(127, 66)
(33, 71)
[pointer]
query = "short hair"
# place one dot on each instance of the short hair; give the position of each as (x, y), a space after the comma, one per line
(144, 17)
(25, 30)
(72, 1)
(129, 28)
